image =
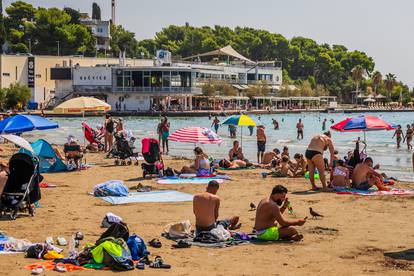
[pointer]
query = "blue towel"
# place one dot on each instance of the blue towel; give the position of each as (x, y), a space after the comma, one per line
(155, 196)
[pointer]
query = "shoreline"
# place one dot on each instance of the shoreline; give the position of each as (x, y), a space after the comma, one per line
(206, 113)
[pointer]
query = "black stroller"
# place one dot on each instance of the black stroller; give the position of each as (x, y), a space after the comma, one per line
(123, 150)
(22, 187)
(152, 156)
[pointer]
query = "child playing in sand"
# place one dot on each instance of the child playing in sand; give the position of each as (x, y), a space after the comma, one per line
(284, 169)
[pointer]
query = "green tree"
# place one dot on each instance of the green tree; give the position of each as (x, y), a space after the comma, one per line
(390, 81)
(96, 11)
(2, 29)
(123, 40)
(357, 76)
(74, 15)
(376, 80)
(53, 29)
(208, 89)
(17, 96)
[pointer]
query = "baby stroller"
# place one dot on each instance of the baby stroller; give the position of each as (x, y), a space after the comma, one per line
(151, 152)
(123, 150)
(22, 187)
(92, 137)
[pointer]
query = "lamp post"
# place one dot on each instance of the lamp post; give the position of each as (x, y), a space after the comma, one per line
(58, 47)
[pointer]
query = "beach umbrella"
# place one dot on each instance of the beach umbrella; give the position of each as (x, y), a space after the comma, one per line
(239, 120)
(18, 141)
(82, 104)
(23, 123)
(195, 135)
(362, 123)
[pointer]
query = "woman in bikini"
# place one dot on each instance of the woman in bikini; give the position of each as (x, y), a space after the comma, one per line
(201, 166)
(314, 157)
(340, 175)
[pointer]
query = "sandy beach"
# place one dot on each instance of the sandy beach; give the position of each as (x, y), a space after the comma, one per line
(351, 239)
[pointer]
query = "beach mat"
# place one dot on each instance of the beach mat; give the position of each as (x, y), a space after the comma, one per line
(194, 180)
(236, 169)
(398, 192)
(154, 196)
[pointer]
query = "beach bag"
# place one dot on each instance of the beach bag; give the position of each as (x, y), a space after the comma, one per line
(221, 233)
(169, 172)
(111, 188)
(178, 230)
(118, 263)
(137, 247)
(116, 230)
(36, 251)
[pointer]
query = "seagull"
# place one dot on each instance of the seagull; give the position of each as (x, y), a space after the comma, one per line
(252, 206)
(313, 213)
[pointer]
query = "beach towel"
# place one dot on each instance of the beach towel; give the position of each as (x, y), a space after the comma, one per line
(236, 169)
(398, 192)
(193, 175)
(195, 180)
(50, 265)
(155, 196)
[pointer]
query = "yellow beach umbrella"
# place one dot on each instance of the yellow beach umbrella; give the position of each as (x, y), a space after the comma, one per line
(240, 120)
(81, 105)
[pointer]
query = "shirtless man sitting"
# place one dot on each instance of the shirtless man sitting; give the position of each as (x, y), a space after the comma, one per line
(284, 169)
(364, 176)
(269, 156)
(270, 224)
(206, 210)
(236, 153)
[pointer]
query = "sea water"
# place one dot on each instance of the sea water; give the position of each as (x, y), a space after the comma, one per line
(381, 146)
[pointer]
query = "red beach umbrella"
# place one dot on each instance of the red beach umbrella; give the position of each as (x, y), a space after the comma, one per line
(195, 135)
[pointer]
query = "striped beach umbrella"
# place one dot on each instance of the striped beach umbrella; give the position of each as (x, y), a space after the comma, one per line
(362, 123)
(196, 135)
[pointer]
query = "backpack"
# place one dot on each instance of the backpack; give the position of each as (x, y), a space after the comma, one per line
(137, 247)
(169, 172)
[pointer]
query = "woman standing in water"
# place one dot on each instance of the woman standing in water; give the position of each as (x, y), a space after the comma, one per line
(165, 132)
(216, 124)
(314, 157)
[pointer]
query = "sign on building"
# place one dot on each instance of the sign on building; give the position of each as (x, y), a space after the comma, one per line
(31, 72)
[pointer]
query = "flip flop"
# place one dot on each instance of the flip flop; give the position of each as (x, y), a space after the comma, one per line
(145, 260)
(60, 267)
(38, 270)
(159, 263)
(155, 243)
(181, 244)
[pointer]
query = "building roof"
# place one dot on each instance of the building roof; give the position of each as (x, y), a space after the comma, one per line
(225, 51)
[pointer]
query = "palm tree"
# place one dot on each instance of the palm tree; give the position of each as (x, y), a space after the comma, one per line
(376, 80)
(390, 81)
(357, 76)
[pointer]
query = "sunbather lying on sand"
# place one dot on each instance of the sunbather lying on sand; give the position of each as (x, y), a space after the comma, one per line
(235, 164)
(206, 210)
(270, 224)
(364, 176)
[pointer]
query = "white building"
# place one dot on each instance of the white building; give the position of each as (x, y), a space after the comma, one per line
(101, 29)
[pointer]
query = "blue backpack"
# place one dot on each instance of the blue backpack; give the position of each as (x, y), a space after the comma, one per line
(111, 188)
(137, 247)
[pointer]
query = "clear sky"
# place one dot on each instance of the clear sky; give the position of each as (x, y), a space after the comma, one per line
(381, 28)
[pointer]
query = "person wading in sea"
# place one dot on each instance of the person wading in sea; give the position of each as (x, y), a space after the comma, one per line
(299, 127)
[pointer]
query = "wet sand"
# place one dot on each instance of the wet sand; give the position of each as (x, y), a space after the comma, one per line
(350, 240)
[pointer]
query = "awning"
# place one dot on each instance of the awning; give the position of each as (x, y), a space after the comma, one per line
(225, 51)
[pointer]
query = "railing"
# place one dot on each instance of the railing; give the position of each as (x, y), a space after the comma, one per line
(194, 90)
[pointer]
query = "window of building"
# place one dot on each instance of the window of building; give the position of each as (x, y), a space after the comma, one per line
(89, 77)
(166, 79)
(104, 77)
(6, 74)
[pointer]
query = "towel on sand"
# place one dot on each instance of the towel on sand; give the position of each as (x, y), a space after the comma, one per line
(154, 196)
(343, 191)
(194, 180)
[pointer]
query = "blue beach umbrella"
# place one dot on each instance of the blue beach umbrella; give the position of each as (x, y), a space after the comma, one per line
(23, 123)
(239, 120)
